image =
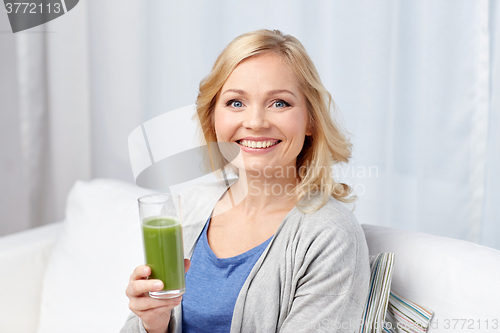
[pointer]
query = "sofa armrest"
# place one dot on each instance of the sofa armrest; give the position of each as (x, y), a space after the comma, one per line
(23, 258)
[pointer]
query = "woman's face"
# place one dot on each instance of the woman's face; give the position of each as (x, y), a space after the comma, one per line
(262, 109)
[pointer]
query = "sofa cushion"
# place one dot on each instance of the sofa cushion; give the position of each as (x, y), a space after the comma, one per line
(457, 280)
(23, 258)
(100, 245)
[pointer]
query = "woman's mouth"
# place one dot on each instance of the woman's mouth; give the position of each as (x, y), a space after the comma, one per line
(263, 144)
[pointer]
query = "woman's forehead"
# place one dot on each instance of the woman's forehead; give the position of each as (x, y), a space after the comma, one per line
(267, 70)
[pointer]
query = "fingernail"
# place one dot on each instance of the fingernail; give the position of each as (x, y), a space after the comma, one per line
(145, 271)
(157, 285)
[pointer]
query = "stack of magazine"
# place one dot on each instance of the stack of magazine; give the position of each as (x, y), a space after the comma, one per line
(405, 316)
(387, 311)
(381, 267)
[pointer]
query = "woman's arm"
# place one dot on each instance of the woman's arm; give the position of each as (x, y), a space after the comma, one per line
(332, 282)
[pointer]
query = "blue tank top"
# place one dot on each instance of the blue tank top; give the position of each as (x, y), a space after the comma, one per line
(213, 285)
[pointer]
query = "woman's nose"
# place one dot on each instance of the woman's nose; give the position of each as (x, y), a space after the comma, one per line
(256, 118)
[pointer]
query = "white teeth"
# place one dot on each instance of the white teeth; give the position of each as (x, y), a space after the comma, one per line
(258, 144)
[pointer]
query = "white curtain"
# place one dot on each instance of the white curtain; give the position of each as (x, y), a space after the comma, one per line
(416, 84)
(45, 119)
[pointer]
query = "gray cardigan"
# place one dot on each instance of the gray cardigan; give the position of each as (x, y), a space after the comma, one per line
(312, 277)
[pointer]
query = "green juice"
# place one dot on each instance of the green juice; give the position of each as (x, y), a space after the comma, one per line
(164, 251)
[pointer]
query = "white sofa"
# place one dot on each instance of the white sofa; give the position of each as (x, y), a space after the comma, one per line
(71, 276)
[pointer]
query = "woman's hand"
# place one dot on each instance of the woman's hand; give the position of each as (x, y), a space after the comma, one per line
(154, 313)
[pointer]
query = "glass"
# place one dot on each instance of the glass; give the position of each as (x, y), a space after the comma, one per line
(162, 239)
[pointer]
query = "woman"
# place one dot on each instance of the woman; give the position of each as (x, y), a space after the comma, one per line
(276, 251)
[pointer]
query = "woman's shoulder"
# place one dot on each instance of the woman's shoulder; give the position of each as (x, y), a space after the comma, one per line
(332, 232)
(332, 214)
(333, 220)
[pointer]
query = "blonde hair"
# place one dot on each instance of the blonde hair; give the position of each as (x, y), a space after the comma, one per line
(326, 146)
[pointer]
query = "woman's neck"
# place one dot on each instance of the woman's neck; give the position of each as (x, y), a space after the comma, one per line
(263, 192)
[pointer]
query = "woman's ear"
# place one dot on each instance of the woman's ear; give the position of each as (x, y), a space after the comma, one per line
(309, 131)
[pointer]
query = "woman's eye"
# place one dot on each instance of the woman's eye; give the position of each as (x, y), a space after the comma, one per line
(234, 104)
(281, 104)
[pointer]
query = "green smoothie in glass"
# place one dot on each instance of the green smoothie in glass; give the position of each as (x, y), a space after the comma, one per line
(164, 253)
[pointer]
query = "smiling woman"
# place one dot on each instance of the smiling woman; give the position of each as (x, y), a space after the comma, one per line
(262, 109)
(277, 236)
(291, 81)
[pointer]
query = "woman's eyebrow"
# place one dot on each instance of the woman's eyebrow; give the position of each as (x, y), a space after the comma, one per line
(238, 91)
(269, 93)
(279, 91)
